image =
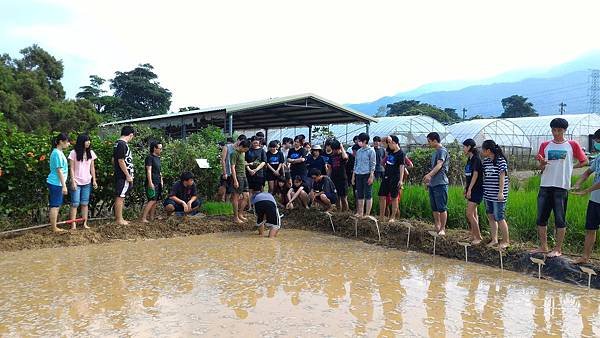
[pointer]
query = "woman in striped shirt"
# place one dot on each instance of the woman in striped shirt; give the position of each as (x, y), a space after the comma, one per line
(495, 191)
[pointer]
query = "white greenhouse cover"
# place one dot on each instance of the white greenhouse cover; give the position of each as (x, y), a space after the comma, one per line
(502, 131)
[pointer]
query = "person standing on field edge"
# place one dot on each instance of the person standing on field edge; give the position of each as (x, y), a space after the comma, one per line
(363, 176)
(556, 162)
(154, 181)
(592, 219)
(83, 177)
(379, 155)
(123, 166)
(57, 178)
(437, 182)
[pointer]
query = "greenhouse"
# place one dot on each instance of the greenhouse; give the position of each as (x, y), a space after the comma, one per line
(506, 133)
(410, 130)
(581, 126)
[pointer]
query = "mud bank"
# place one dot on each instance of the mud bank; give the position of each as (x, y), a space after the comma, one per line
(516, 258)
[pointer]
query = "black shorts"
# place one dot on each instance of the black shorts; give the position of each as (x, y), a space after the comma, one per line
(342, 187)
(270, 176)
(158, 191)
(122, 187)
(333, 198)
(592, 218)
(179, 207)
(389, 186)
(476, 196)
(266, 211)
(256, 183)
(379, 175)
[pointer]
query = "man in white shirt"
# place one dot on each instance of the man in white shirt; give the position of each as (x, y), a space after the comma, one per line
(556, 161)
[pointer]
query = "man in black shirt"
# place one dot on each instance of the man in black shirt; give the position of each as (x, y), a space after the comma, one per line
(256, 160)
(154, 181)
(392, 178)
(337, 172)
(296, 158)
(123, 166)
(182, 197)
(323, 191)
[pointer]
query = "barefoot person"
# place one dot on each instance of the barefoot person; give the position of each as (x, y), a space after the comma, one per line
(267, 214)
(393, 178)
(337, 172)
(298, 193)
(495, 191)
(183, 196)
(275, 164)
(473, 187)
(154, 181)
(123, 166)
(57, 178)
(437, 182)
(83, 177)
(556, 162)
(240, 182)
(323, 190)
(592, 219)
(363, 176)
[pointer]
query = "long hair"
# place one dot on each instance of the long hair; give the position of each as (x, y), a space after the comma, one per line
(473, 146)
(80, 148)
(58, 138)
(494, 148)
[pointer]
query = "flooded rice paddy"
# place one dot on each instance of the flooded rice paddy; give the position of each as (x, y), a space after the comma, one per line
(301, 284)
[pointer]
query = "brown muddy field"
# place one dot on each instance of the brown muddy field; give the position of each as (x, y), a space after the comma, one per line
(516, 258)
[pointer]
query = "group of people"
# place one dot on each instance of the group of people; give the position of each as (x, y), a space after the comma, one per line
(76, 174)
(299, 175)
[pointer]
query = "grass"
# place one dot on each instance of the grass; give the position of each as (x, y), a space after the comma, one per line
(217, 208)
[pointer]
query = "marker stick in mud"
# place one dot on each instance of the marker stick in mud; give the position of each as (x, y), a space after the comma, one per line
(330, 219)
(539, 262)
(408, 237)
(435, 236)
(590, 272)
(376, 225)
(465, 244)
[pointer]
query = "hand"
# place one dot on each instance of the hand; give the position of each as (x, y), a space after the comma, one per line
(225, 176)
(236, 184)
(370, 180)
(579, 192)
(73, 186)
(252, 172)
(277, 174)
(129, 178)
(500, 197)
(185, 207)
(151, 185)
(400, 185)
(427, 179)
(542, 160)
(189, 205)
(353, 181)
(576, 187)
(65, 190)
(468, 194)
(95, 185)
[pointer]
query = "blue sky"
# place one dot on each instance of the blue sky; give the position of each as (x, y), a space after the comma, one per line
(218, 52)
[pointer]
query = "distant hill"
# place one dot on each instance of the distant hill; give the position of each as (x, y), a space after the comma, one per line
(566, 83)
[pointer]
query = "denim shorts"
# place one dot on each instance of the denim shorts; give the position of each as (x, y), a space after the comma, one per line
(81, 195)
(55, 196)
(363, 189)
(495, 208)
(438, 198)
(552, 199)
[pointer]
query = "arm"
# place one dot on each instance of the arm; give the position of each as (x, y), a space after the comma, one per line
(236, 184)
(224, 154)
(401, 182)
(149, 176)
(124, 170)
(578, 154)
(72, 174)
(63, 180)
(582, 179)
(473, 181)
(434, 171)
(501, 186)
(178, 200)
(93, 172)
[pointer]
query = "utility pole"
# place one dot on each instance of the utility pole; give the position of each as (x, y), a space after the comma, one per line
(594, 91)
(562, 106)
(464, 110)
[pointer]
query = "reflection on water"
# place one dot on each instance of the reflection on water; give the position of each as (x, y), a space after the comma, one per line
(302, 284)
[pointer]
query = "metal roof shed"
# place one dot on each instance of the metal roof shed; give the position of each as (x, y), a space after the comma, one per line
(304, 110)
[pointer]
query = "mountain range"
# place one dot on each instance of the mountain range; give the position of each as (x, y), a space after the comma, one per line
(545, 88)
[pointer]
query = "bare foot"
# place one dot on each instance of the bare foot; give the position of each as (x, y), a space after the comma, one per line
(555, 253)
(243, 219)
(74, 226)
(503, 245)
(441, 233)
(392, 220)
(358, 216)
(238, 221)
(85, 226)
(581, 260)
(145, 221)
(476, 241)
(123, 222)
(539, 250)
(492, 244)
(58, 230)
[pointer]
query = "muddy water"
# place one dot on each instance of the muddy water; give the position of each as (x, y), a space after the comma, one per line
(302, 284)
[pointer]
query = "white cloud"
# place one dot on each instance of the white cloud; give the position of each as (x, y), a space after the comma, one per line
(217, 52)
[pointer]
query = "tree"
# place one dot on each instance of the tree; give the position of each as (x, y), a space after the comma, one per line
(517, 106)
(188, 108)
(413, 107)
(137, 94)
(32, 96)
(381, 111)
(94, 93)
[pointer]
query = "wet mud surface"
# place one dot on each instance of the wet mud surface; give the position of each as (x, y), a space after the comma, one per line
(515, 258)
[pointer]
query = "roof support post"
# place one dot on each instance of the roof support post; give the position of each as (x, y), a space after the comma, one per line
(367, 125)
(229, 123)
(183, 129)
(310, 134)
(266, 134)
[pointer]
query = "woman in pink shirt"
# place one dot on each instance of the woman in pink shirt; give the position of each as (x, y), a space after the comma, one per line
(83, 176)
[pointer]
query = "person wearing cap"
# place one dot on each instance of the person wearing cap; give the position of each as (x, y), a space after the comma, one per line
(182, 197)
(556, 159)
(592, 222)
(316, 159)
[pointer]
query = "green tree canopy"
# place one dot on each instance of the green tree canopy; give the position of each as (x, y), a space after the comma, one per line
(413, 107)
(137, 93)
(517, 106)
(32, 96)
